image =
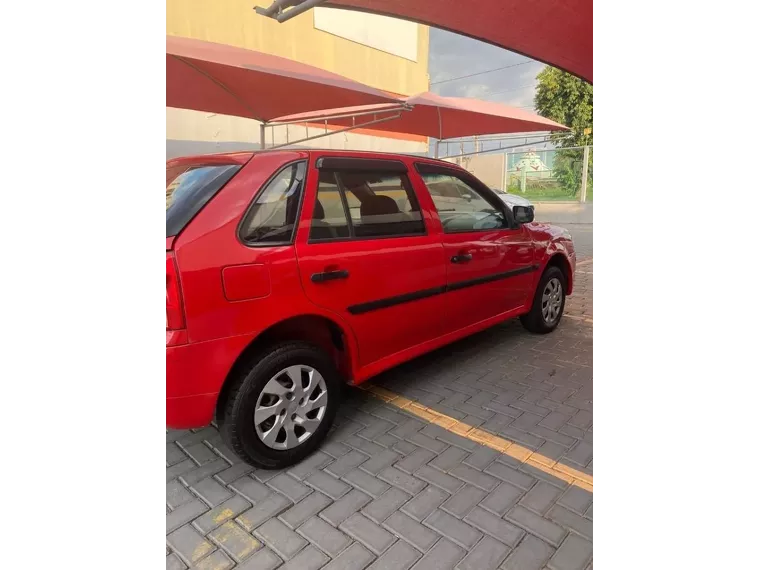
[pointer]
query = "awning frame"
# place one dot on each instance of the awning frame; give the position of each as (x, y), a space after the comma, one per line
(395, 109)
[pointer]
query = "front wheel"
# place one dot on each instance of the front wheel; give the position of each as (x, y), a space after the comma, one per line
(548, 304)
(281, 408)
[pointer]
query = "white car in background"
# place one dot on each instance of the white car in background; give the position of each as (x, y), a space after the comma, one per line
(512, 200)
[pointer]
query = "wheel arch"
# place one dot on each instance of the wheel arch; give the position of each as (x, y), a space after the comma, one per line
(318, 330)
(560, 260)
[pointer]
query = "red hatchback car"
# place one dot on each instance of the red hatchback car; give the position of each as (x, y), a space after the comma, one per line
(289, 273)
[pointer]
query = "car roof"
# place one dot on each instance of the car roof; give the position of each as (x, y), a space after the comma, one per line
(243, 157)
(220, 158)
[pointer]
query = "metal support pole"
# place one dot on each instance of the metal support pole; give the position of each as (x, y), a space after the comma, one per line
(505, 179)
(292, 12)
(584, 183)
(437, 148)
(524, 180)
(276, 7)
(262, 135)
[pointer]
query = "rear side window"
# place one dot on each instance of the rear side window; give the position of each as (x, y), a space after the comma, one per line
(355, 204)
(189, 188)
(273, 215)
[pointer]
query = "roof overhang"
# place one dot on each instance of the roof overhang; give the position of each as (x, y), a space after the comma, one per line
(556, 32)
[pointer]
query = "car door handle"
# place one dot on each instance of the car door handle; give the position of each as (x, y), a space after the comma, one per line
(461, 258)
(329, 276)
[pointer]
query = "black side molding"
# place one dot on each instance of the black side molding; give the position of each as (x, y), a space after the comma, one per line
(392, 301)
(491, 278)
(360, 164)
(362, 308)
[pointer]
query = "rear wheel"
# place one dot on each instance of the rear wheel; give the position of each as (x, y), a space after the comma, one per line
(548, 304)
(282, 406)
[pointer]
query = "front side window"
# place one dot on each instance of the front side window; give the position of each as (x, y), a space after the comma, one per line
(461, 208)
(273, 216)
(352, 204)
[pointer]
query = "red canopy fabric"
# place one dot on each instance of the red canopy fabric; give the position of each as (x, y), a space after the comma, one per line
(438, 117)
(556, 32)
(216, 78)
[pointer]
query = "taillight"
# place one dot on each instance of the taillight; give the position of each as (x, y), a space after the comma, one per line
(174, 313)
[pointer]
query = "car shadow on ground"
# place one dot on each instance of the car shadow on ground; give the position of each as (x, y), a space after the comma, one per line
(531, 390)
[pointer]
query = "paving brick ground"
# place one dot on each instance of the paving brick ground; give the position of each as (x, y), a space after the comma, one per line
(390, 491)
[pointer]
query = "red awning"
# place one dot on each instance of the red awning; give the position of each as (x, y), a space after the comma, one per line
(216, 78)
(436, 116)
(556, 32)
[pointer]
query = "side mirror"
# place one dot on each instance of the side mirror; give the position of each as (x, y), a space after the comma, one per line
(524, 214)
(467, 196)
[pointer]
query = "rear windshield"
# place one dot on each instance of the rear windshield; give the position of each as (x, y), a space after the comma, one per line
(189, 188)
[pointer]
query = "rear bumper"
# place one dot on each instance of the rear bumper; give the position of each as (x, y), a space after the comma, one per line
(195, 374)
(190, 412)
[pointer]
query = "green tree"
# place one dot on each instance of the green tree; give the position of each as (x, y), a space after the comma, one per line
(568, 100)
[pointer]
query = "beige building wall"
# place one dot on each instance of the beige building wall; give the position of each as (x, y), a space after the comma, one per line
(487, 167)
(399, 67)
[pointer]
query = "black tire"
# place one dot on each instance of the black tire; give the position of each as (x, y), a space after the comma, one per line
(236, 418)
(534, 321)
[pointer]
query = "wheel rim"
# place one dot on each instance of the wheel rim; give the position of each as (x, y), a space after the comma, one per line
(291, 407)
(552, 297)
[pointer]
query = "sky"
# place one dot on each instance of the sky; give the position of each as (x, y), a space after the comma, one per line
(452, 56)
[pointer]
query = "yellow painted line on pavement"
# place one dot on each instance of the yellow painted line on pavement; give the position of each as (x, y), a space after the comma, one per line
(497, 443)
(223, 516)
(201, 550)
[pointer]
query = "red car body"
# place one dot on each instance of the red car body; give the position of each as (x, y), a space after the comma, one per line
(225, 297)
